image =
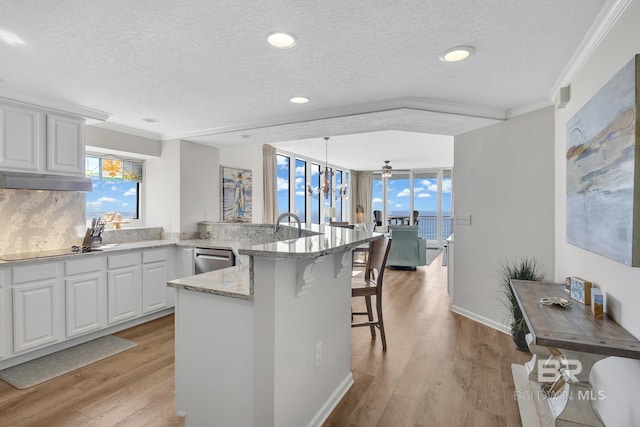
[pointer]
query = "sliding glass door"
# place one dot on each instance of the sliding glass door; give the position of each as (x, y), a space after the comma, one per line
(416, 197)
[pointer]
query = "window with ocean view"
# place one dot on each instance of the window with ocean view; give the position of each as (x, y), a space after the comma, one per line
(283, 183)
(116, 187)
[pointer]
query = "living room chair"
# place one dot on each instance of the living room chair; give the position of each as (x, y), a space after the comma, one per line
(378, 254)
(409, 250)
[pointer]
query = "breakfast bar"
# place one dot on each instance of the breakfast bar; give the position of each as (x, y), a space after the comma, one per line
(268, 342)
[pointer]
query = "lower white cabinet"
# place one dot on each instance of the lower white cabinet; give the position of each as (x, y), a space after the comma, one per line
(123, 289)
(86, 295)
(37, 308)
(154, 286)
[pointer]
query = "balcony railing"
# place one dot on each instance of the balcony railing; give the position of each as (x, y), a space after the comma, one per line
(428, 227)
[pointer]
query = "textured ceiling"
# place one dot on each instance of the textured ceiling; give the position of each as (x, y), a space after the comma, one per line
(204, 70)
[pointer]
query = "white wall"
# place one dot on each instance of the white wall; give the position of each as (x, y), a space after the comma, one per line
(162, 188)
(247, 157)
(619, 283)
(199, 184)
(504, 179)
(109, 140)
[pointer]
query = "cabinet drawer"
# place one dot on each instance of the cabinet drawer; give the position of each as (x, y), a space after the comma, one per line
(83, 266)
(124, 260)
(30, 273)
(154, 256)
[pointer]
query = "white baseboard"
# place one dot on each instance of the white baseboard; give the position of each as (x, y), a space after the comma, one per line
(480, 319)
(333, 400)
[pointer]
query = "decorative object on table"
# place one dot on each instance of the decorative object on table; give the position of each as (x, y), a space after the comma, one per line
(115, 219)
(524, 269)
(237, 192)
(359, 214)
(597, 304)
(567, 285)
(581, 290)
(602, 182)
(557, 301)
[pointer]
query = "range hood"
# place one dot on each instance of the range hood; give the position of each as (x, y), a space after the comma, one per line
(17, 181)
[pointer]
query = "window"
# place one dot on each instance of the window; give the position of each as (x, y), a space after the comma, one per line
(300, 199)
(316, 196)
(337, 193)
(283, 183)
(116, 187)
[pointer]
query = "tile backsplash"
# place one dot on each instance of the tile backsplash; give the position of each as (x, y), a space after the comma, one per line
(32, 220)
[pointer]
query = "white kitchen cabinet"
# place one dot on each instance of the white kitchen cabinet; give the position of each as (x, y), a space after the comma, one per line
(21, 138)
(38, 306)
(155, 273)
(5, 311)
(65, 145)
(86, 296)
(124, 287)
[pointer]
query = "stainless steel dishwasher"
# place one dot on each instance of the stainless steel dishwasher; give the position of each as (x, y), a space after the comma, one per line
(213, 259)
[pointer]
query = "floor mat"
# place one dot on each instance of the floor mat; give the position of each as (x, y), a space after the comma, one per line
(44, 368)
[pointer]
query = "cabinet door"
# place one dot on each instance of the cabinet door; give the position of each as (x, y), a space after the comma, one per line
(37, 308)
(21, 139)
(65, 145)
(154, 286)
(123, 289)
(86, 303)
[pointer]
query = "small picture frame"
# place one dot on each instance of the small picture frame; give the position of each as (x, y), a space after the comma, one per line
(567, 285)
(581, 290)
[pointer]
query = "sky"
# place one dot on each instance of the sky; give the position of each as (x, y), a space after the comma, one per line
(108, 196)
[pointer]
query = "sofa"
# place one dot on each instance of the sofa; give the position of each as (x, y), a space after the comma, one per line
(408, 250)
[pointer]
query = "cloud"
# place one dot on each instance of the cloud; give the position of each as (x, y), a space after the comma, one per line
(130, 192)
(299, 181)
(404, 193)
(300, 170)
(430, 186)
(398, 205)
(423, 195)
(283, 184)
(125, 204)
(94, 204)
(114, 188)
(446, 185)
(282, 161)
(300, 193)
(418, 189)
(377, 200)
(107, 199)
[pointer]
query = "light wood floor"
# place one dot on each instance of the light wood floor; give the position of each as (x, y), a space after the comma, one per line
(440, 369)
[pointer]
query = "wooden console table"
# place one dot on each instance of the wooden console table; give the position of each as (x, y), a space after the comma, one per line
(562, 336)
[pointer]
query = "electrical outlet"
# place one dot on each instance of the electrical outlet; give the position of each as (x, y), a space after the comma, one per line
(318, 359)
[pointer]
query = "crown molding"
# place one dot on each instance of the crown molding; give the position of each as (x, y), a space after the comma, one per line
(57, 107)
(420, 104)
(609, 15)
(527, 108)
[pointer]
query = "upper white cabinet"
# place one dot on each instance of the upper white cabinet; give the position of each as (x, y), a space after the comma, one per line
(34, 140)
(65, 145)
(21, 138)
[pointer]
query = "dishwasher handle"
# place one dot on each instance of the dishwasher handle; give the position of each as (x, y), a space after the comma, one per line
(216, 257)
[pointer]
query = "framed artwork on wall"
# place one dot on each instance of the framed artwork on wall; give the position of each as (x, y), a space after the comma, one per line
(236, 194)
(603, 187)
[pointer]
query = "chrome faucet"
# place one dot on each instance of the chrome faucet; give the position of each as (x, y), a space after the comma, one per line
(286, 215)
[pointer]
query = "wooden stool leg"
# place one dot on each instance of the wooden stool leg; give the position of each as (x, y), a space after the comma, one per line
(370, 314)
(381, 323)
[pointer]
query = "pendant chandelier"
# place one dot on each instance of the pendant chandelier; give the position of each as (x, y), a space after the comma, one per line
(386, 170)
(326, 185)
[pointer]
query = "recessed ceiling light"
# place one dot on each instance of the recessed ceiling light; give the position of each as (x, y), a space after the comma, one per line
(10, 38)
(151, 120)
(457, 53)
(281, 40)
(299, 100)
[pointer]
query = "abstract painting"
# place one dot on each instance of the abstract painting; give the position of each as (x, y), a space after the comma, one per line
(602, 183)
(236, 194)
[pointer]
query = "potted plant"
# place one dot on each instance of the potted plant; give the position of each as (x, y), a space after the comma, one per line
(524, 269)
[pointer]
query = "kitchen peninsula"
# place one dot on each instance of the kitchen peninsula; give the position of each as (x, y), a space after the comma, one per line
(268, 342)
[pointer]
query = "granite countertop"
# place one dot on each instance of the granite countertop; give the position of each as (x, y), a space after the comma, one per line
(235, 281)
